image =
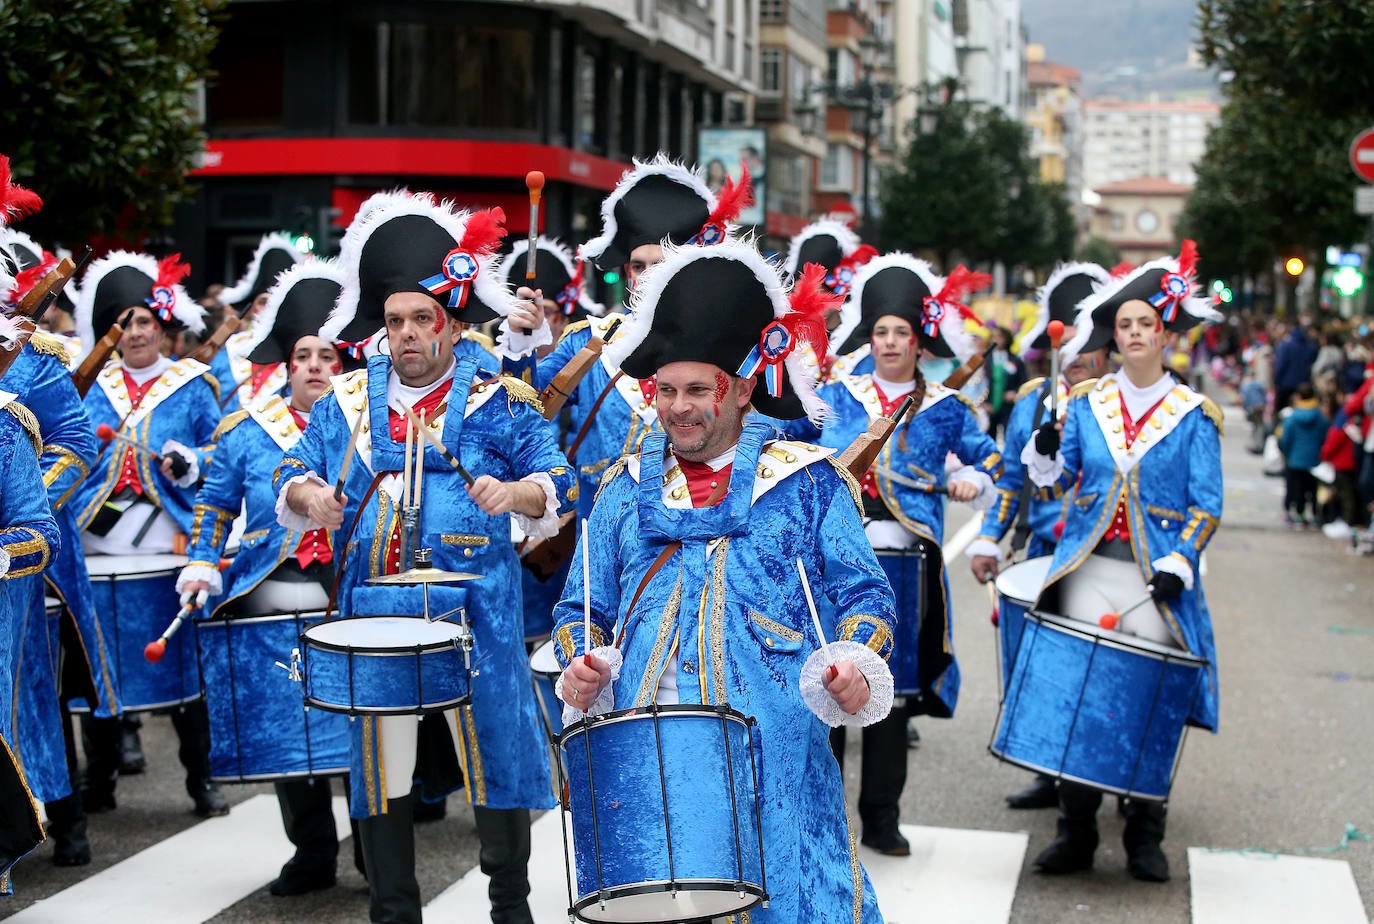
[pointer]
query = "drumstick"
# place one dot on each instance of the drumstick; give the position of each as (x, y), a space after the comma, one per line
(407, 476)
(419, 463)
(929, 487)
(586, 600)
(1056, 331)
(1110, 621)
(534, 181)
(992, 596)
(107, 434)
(153, 651)
(832, 670)
(443, 450)
(348, 456)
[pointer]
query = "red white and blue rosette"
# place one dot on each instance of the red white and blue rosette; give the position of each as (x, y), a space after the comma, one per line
(352, 348)
(840, 279)
(1173, 289)
(567, 298)
(932, 313)
(161, 302)
(775, 343)
(459, 269)
(710, 233)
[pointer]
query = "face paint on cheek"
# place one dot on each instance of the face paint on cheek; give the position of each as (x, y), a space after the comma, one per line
(440, 323)
(1092, 364)
(722, 389)
(336, 367)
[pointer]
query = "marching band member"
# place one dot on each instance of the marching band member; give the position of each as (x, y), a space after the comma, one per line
(276, 570)
(709, 519)
(243, 381)
(1145, 452)
(1057, 300)
(905, 308)
(836, 247)
(419, 269)
(132, 503)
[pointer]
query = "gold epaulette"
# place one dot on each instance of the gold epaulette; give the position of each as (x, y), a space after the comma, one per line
(228, 423)
(608, 475)
(573, 328)
(849, 480)
(521, 390)
(1082, 388)
(44, 342)
(481, 339)
(29, 423)
(1031, 386)
(1213, 412)
(213, 383)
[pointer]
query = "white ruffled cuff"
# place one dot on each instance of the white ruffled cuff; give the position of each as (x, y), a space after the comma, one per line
(983, 547)
(1175, 564)
(544, 526)
(196, 572)
(186, 452)
(987, 491)
(1043, 471)
(4, 563)
(512, 344)
(289, 518)
(605, 700)
(875, 670)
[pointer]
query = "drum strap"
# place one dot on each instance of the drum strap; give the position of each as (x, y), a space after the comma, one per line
(591, 415)
(343, 546)
(1022, 531)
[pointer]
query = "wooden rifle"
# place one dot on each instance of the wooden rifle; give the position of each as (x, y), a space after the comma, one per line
(960, 376)
(84, 377)
(233, 320)
(37, 301)
(860, 455)
(557, 392)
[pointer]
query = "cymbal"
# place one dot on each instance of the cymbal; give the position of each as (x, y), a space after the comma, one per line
(424, 576)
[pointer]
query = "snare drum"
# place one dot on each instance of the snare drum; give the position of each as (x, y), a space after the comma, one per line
(384, 665)
(665, 814)
(1097, 707)
(259, 726)
(135, 598)
(906, 571)
(1018, 587)
(544, 670)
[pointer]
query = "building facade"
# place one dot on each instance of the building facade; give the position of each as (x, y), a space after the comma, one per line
(1140, 216)
(1151, 138)
(1054, 114)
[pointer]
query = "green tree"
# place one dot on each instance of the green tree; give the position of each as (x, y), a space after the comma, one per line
(97, 113)
(1100, 251)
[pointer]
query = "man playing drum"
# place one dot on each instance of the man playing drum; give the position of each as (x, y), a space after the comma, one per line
(277, 571)
(420, 269)
(695, 545)
(1058, 301)
(1145, 453)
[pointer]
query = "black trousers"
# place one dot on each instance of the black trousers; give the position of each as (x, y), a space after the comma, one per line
(883, 775)
(308, 817)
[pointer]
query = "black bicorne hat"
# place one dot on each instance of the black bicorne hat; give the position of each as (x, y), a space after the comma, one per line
(122, 280)
(1058, 298)
(557, 273)
(275, 254)
(24, 253)
(298, 304)
(903, 286)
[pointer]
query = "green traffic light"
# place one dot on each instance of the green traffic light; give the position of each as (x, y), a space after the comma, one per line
(304, 243)
(610, 277)
(1225, 295)
(1347, 280)
(1218, 286)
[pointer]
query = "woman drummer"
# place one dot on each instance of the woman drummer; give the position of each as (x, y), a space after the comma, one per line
(1145, 452)
(905, 308)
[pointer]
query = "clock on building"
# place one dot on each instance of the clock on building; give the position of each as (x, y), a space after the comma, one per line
(1146, 221)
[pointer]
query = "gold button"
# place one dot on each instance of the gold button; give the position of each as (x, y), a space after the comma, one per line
(790, 457)
(467, 553)
(768, 642)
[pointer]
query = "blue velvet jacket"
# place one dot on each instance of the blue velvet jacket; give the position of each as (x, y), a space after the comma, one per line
(728, 607)
(183, 405)
(500, 434)
(1171, 483)
(249, 445)
(233, 371)
(1044, 512)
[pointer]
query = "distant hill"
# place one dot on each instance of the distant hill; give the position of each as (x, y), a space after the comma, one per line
(1126, 48)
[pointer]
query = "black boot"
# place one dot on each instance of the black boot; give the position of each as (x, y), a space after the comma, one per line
(67, 828)
(308, 818)
(882, 779)
(427, 810)
(389, 851)
(1039, 794)
(100, 740)
(1142, 838)
(505, 857)
(192, 723)
(1076, 837)
(131, 759)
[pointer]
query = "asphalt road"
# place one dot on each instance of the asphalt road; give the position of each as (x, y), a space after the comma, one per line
(1288, 771)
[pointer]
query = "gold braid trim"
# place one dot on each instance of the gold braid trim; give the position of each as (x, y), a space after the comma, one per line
(29, 423)
(610, 474)
(481, 339)
(229, 423)
(573, 328)
(1082, 388)
(519, 390)
(213, 383)
(850, 481)
(1032, 386)
(1209, 407)
(44, 342)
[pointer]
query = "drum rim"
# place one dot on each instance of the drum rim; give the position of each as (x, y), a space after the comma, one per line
(247, 778)
(180, 562)
(1111, 639)
(308, 642)
(997, 581)
(1102, 787)
(660, 886)
(218, 621)
(141, 708)
(655, 709)
(422, 709)
(111, 577)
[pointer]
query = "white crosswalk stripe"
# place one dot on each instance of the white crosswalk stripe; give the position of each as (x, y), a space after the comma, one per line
(1236, 888)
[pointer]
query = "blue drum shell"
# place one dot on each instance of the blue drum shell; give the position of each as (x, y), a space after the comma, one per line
(664, 794)
(135, 609)
(1102, 709)
(368, 680)
(259, 727)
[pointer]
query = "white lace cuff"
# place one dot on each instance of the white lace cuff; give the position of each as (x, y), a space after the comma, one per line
(289, 518)
(186, 452)
(869, 663)
(512, 344)
(544, 526)
(605, 700)
(4, 563)
(1043, 471)
(197, 572)
(983, 547)
(1175, 564)
(987, 491)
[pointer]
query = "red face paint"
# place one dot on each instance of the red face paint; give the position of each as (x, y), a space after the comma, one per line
(722, 389)
(440, 322)
(336, 367)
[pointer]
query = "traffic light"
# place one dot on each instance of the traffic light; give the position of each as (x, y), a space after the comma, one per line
(1294, 266)
(1225, 295)
(611, 277)
(1348, 280)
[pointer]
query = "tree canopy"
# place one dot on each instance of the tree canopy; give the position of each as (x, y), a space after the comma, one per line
(98, 113)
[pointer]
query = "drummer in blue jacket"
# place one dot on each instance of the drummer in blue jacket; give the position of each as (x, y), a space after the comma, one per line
(277, 570)
(242, 381)
(1145, 453)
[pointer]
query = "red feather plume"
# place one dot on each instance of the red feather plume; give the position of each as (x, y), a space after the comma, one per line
(483, 232)
(170, 270)
(958, 284)
(1187, 258)
(15, 200)
(733, 198)
(810, 300)
(1124, 268)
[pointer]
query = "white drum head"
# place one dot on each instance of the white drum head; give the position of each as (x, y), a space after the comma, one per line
(397, 632)
(131, 566)
(1024, 580)
(543, 661)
